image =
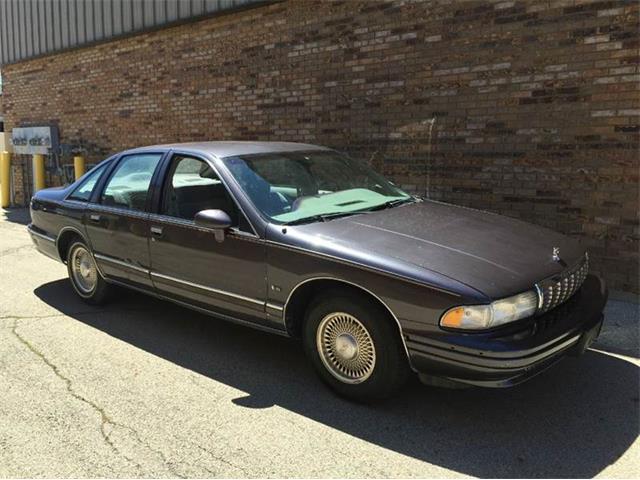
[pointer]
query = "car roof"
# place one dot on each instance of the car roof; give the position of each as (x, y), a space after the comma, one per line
(231, 148)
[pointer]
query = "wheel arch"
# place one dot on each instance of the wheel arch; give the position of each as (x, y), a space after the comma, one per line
(64, 239)
(305, 291)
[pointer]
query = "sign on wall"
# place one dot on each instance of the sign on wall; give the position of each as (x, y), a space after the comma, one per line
(30, 140)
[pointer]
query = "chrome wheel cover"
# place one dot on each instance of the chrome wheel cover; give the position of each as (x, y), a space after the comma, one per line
(346, 347)
(83, 270)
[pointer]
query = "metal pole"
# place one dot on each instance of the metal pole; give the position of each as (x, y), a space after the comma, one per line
(5, 179)
(38, 172)
(79, 166)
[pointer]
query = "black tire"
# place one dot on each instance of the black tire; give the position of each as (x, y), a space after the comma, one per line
(99, 293)
(391, 368)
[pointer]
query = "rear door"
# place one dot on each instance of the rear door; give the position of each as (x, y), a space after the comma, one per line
(117, 222)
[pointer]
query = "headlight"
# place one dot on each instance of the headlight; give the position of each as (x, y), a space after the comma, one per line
(477, 317)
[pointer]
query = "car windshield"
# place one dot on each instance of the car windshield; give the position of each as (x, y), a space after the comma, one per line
(299, 187)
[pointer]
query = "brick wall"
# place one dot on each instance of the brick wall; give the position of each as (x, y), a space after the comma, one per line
(527, 109)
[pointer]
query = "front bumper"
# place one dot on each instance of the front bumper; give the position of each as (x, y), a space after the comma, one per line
(514, 353)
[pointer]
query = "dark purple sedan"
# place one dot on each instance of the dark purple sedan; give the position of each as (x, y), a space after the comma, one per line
(303, 241)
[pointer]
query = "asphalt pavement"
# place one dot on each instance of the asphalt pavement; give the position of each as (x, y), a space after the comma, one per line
(144, 388)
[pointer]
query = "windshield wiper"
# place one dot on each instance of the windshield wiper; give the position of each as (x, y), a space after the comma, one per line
(391, 204)
(330, 216)
(320, 218)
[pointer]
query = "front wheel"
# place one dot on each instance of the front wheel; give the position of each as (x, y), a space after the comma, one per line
(84, 275)
(355, 347)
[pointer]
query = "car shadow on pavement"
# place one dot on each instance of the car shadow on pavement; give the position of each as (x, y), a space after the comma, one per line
(571, 421)
(16, 215)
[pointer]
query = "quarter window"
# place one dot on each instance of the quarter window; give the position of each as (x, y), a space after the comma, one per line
(83, 191)
(128, 187)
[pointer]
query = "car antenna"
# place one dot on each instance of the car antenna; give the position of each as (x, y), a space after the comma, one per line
(427, 163)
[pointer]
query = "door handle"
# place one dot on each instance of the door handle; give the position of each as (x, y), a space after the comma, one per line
(157, 231)
(94, 218)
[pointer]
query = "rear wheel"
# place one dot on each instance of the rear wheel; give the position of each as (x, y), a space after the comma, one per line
(84, 275)
(354, 346)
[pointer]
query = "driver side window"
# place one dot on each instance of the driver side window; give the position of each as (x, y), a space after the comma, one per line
(192, 186)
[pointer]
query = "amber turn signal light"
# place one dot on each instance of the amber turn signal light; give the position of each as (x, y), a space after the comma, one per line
(453, 318)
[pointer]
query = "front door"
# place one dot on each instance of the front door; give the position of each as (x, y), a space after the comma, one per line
(118, 223)
(188, 263)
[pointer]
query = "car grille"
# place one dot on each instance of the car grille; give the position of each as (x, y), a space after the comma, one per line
(557, 290)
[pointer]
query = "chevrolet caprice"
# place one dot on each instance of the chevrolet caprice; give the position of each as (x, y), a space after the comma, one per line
(303, 241)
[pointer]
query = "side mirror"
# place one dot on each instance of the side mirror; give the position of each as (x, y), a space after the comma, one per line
(216, 220)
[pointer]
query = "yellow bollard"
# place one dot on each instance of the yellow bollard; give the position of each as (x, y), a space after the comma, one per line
(79, 166)
(5, 179)
(38, 172)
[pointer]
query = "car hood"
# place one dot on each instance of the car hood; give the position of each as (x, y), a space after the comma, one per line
(496, 255)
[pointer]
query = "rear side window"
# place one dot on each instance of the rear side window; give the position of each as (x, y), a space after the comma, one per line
(128, 187)
(83, 191)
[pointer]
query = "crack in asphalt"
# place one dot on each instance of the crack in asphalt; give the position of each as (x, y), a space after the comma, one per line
(107, 424)
(29, 317)
(222, 460)
(14, 250)
(106, 421)
(71, 314)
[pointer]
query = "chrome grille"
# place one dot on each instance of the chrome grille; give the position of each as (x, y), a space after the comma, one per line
(557, 290)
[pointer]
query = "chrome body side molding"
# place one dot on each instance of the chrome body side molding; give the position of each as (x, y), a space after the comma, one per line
(204, 311)
(120, 263)
(273, 306)
(209, 289)
(41, 235)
